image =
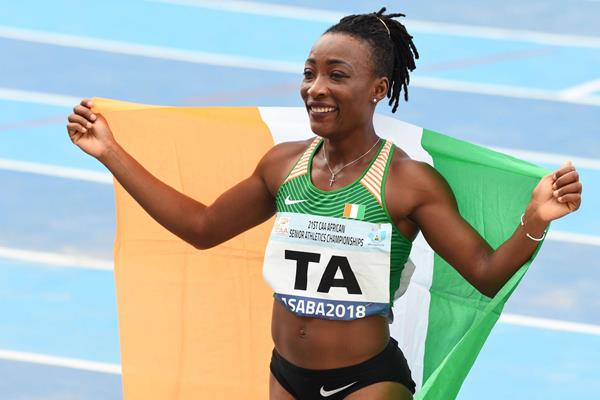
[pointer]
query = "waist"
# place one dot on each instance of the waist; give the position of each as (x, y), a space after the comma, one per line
(322, 344)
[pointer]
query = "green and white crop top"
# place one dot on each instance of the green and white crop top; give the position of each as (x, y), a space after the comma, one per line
(336, 254)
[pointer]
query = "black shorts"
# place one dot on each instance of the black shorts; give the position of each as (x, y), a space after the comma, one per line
(333, 384)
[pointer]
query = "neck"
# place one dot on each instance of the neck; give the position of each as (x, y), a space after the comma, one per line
(346, 148)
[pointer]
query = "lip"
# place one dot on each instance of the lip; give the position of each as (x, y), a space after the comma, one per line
(317, 104)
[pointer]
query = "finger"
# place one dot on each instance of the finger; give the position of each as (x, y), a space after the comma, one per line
(74, 127)
(88, 103)
(80, 120)
(566, 167)
(574, 198)
(85, 112)
(569, 177)
(574, 187)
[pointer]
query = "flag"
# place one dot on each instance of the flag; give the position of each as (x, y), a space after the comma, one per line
(195, 324)
(356, 211)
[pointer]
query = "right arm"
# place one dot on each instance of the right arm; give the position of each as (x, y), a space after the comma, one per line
(198, 224)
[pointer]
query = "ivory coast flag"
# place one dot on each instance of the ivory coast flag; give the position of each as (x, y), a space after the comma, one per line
(195, 324)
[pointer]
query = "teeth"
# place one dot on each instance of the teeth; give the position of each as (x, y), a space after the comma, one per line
(322, 109)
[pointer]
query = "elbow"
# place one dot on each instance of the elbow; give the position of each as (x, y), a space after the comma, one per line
(485, 283)
(203, 235)
(489, 292)
(202, 242)
(203, 246)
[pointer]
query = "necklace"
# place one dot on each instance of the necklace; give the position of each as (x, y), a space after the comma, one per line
(333, 174)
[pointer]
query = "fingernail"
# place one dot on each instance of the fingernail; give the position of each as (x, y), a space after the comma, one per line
(556, 192)
(89, 103)
(84, 130)
(93, 117)
(554, 186)
(89, 124)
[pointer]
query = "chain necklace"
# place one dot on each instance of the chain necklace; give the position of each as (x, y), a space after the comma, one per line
(333, 174)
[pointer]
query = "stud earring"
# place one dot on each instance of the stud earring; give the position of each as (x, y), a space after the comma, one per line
(374, 100)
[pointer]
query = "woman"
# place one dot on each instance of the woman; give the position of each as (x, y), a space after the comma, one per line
(352, 67)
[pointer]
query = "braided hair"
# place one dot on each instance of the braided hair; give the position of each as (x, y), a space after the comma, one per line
(393, 51)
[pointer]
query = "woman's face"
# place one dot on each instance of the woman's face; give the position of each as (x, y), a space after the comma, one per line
(339, 85)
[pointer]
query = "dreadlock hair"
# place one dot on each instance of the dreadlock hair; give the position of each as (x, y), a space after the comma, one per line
(393, 51)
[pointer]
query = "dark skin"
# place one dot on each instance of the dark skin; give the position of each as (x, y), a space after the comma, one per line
(338, 73)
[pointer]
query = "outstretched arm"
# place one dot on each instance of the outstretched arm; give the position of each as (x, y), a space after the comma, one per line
(460, 244)
(243, 206)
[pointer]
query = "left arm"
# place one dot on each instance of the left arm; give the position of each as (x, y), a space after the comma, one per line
(449, 235)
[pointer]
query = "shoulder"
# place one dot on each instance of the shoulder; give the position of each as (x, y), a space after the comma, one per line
(279, 160)
(416, 182)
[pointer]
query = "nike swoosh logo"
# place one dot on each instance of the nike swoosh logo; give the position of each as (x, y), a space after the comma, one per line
(289, 201)
(327, 393)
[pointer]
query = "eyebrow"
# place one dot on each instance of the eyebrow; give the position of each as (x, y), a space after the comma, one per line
(331, 61)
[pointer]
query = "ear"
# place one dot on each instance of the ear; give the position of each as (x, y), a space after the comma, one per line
(380, 88)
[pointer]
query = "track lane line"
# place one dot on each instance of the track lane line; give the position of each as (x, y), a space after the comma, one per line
(115, 369)
(414, 25)
(56, 171)
(74, 363)
(56, 259)
(226, 60)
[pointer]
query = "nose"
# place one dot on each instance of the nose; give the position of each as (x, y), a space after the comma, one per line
(317, 88)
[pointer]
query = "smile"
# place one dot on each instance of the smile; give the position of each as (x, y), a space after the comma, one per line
(322, 109)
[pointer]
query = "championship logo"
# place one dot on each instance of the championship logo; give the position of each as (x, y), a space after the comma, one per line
(376, 237)
(281, 226)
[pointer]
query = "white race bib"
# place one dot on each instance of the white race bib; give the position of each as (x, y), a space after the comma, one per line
(327, 267)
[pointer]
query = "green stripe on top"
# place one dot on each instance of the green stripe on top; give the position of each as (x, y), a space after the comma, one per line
(305, 198)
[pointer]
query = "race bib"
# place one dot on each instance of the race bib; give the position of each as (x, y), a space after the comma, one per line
(327, 267)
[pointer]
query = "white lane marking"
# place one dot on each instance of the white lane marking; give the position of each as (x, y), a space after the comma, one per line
(582, 90)
(57, 171)
(263, 9)
(225, 60)
(56, 259)
(500, 90)
(570, 237)
(548, 158)
(321, 15)
(164, 53)
(505, 318)
(549, 324)
(50, 99)
(54, 361)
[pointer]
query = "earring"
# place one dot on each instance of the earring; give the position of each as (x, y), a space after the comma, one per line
(374, 100)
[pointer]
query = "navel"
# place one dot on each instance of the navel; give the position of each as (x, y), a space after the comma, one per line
(302, 333)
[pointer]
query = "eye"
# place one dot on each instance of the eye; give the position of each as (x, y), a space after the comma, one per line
(307, 74)
(337, 75)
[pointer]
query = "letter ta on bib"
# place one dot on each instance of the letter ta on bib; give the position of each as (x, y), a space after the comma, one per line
(356, 211)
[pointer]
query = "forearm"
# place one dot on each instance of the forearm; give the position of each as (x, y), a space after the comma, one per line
(175, 211)
(501, 264)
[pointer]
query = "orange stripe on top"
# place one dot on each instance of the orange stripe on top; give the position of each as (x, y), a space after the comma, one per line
(301, 166)
(373, 179)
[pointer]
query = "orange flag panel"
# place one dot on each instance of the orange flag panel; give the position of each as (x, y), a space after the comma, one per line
(193, 324)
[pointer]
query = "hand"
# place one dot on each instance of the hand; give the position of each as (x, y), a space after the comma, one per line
(89, 131)
(557, 194)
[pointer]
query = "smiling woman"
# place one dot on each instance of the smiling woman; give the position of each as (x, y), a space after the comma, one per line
(348, 205)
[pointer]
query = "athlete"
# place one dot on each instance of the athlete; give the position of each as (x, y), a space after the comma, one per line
(333, 194)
